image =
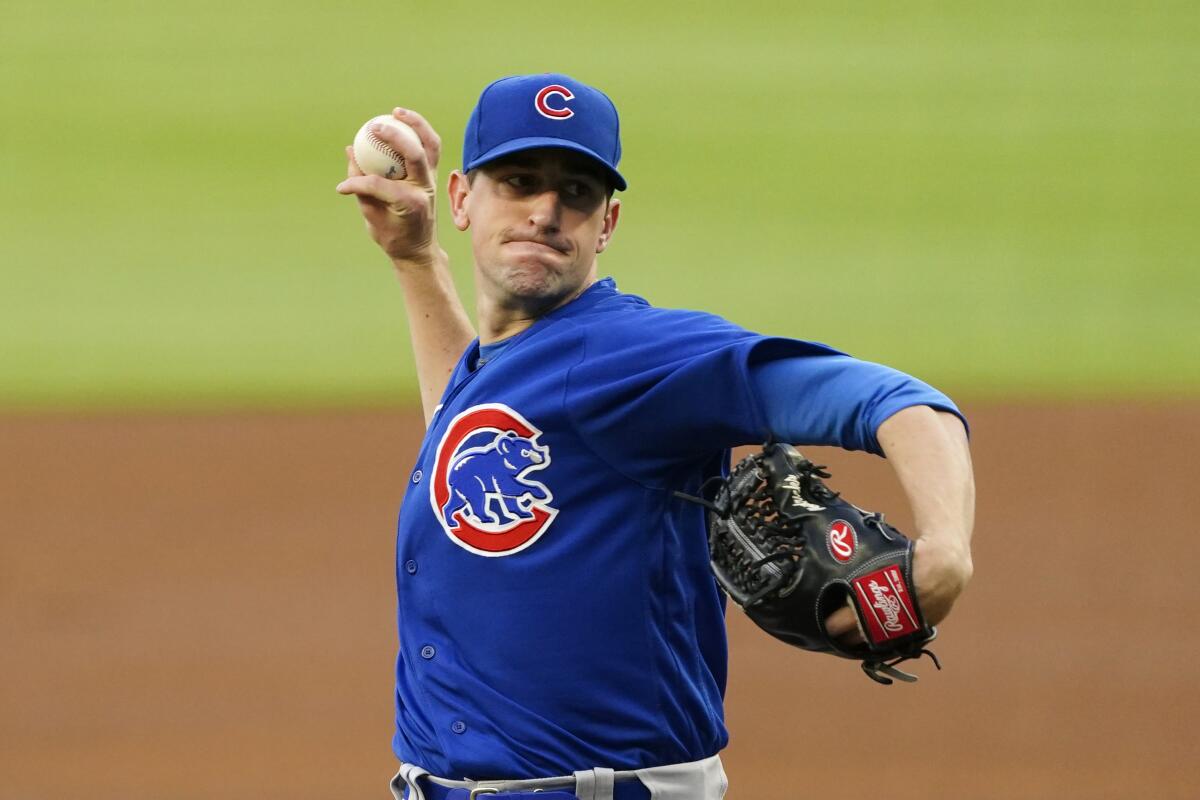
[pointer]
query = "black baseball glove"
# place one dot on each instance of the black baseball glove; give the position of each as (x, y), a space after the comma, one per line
(790, 551)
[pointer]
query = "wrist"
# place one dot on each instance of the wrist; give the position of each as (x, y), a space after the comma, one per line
(948, 556)
(421, 261)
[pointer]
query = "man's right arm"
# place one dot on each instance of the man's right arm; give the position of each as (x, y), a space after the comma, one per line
(401, 217)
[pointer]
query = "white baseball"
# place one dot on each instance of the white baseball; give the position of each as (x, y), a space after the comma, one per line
(375, 156)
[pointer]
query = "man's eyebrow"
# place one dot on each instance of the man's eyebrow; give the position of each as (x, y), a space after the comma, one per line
(584, 172)
(582, 169)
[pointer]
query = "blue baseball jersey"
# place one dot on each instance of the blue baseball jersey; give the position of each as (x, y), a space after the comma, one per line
(556, 608)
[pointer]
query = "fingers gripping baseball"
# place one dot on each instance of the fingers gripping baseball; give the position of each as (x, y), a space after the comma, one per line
(400, 214)
(425, 132)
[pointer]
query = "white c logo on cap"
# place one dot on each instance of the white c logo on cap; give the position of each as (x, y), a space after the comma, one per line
(544, 108)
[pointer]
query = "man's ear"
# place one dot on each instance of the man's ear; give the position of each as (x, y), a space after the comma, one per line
(459, 189)
(610, 224)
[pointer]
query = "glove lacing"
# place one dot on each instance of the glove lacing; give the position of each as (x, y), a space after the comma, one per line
(768, 560)
(888, 668)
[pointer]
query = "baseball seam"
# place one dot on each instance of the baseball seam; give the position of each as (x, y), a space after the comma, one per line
(384, 148)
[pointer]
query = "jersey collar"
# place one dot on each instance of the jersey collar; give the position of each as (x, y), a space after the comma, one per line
(598, 291)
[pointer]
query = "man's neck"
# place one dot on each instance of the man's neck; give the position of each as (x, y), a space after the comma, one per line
(500, 321)
(489, 333)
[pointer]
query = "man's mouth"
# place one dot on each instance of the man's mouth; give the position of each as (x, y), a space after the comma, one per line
(539, 243)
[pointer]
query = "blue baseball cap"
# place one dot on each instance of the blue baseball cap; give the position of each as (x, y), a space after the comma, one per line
(524, 112)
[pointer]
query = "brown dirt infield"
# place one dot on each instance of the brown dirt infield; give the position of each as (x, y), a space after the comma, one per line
(201, 607)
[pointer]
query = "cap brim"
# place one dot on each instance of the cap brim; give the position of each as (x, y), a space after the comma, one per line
(535, 142)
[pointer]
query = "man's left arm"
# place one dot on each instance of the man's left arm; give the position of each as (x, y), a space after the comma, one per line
(929, 453)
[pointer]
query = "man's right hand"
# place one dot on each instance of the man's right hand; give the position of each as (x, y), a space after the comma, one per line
(401, 214)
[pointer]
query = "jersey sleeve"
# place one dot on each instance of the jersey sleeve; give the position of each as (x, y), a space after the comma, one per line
(837, 400)
(662, 387)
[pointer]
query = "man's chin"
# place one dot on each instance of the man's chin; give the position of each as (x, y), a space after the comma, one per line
(532, 278)
(535, 289)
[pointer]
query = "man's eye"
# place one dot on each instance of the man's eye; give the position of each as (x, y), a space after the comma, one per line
(578, 188)
(519, 181)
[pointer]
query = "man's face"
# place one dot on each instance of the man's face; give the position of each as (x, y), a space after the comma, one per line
(537, 220)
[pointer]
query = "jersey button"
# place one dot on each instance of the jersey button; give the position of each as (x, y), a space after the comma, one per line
(410, 567)
(459, 726)
(428, 652)
(417, 476)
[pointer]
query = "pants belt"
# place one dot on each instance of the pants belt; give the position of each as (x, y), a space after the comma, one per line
(593, 784)
(695, 780)
(629, 790)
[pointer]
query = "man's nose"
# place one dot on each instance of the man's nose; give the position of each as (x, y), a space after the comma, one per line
(546, 210)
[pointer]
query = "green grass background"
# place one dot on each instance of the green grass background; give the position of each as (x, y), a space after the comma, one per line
(1001, 197)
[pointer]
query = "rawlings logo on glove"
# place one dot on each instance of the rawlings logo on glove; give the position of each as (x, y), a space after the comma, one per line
(790, 551)
(892, 611)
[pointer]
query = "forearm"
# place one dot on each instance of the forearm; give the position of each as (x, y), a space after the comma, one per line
(437, 322)
(401, 217)
(929, 453)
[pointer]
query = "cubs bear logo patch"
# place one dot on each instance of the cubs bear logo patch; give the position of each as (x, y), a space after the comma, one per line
(482, 491)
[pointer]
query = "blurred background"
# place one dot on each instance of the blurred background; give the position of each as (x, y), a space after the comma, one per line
(207, 400)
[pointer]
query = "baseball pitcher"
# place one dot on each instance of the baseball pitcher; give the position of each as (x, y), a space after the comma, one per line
(571, 527)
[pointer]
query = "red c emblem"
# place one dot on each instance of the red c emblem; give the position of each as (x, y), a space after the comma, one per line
(543, 107)
(482, 492)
